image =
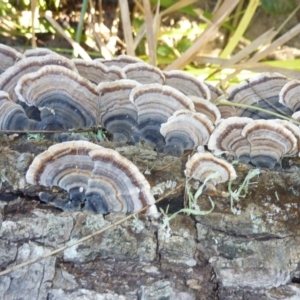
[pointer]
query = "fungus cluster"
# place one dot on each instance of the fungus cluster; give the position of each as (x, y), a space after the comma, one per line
(171, 111)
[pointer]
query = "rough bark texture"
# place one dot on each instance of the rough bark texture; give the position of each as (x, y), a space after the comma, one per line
(253, 254)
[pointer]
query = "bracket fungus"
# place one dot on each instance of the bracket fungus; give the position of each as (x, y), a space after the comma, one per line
(290, 95)
(97, 72)
(13, 116)
(66, 99)
(185, 130)
(9, 79)
(206, 107)
(155, 103)
(117, 113)
(269, 142)
(144, 73)
(227, 138)
(8, 57)
(202, 165)
(262, 91)
(39, 52)
(96, 178)
(187, 84)
(121, 61)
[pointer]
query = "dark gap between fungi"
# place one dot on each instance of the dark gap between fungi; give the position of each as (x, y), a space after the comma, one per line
(296, 280)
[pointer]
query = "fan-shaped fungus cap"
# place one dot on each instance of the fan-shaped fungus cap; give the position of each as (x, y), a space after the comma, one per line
(121, 61)
(144, 73)
(101, 177)
(39, 52)
(185, 130)
(206, 107)
(97, 72)
(8, 57)
(117, 113)
(202, 165)
(227, 138)
(155, 104)
(12, 115)
(226, 111)
(269, 142)
(262, 91)
(66, 99)
(9, 79)
(290, 95)
(187, 84)
(215, 92)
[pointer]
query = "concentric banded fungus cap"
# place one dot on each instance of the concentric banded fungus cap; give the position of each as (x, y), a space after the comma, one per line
(206, 107)
(187, 84)
(9, 79)
(97, 178)
(186, 130)
(120, 61)
(39, 52)
(296, 115)
(202, 165)
(227, 111)
(8, 57)
(290, 95)
(66, 99)
(269, 142)
(118, 183)
(262, 91)
(117, 113)
(144, 73)
(215, 92)
(12, 115)
(97, 72)
(227, 138)
(155, 104)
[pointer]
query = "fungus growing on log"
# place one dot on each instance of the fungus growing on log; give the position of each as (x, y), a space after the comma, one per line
(202, 165)
(8, 57)
(269, 142)
(13, 116)
(97, 72)
(9, 79)
(206, 107)
(66, 99)
(227, 138)
(121, 61)
(262, 91)
(155, 103)
(96, 178)
(185, 130)
(290, 95)
(187, 84)
(144, 73)
(117, 113)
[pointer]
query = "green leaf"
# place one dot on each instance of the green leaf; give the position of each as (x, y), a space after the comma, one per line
(278, 7)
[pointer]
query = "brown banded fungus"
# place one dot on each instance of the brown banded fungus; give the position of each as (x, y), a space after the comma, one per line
(13, 116)
(66, 99)
(187, 84)
(262, 91)
(144, 73)
(8, 57)
(117, 113)
(202, 165)
(9, 79)
(96, 178)
(185, 130)
(227, 138)
(290, 95)
(155, 103)
(39, 52)
(97, 72)
(269, 142)
(121, 61)
(206, 107)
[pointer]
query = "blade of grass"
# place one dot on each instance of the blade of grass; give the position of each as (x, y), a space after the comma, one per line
(210, 32)
(58, 28)
(34, 11)
(80, 25)
(150, 32)
(125, 17)
(243, 25)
